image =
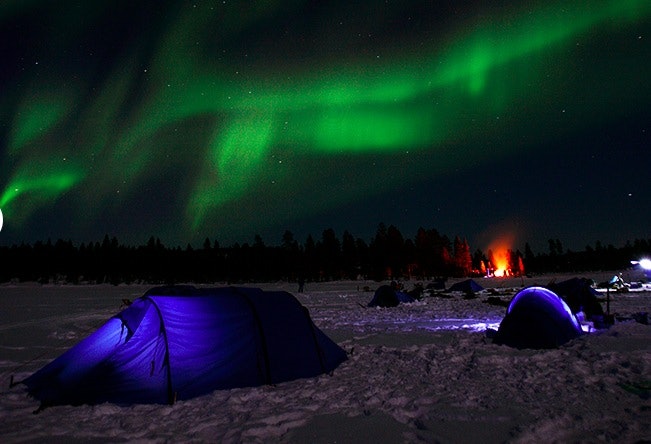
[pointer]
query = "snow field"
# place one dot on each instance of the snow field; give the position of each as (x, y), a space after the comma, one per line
(417, 372)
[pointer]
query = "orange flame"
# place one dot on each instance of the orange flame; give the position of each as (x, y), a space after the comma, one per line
(500, 260)
(501, 264)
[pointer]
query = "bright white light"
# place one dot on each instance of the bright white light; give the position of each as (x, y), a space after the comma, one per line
(645, 263)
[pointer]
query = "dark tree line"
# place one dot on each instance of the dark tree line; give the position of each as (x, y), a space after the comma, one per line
(387, 255)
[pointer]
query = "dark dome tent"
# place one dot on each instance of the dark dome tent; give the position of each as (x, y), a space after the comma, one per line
(176, 343)
(467, 286)
(389, 296)
(537, 318)
(579, 295)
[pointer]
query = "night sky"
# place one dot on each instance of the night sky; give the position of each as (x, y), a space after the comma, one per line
(194, 119)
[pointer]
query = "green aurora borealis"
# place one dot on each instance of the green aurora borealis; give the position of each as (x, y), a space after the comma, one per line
(217, 119)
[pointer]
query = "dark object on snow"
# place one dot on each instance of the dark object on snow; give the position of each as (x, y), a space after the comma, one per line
(495, 300)
(182, 342)
(468, 286)
(537, 318)
(641, 317)
(641, 389)
(579, 295)
(389, 296)
(438, 284)
(417, 291)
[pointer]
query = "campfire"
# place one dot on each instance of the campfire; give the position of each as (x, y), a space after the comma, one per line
(502, 261)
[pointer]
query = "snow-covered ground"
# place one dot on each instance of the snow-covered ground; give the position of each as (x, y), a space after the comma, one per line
(418, 372)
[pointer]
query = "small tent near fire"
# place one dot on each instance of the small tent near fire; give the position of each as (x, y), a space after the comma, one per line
(175, 343)
(389, 296)
(468, 286)
(537, 318)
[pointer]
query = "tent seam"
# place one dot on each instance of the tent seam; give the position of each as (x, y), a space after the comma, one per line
(263, 340)
(166, 360)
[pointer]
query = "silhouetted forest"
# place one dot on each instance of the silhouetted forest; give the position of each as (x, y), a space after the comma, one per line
(388, 255)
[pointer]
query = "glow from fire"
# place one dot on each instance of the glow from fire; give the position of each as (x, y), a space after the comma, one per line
(501, 264)
(499, 256)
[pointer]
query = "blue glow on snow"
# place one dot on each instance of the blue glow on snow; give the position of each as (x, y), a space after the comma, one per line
(439, 324)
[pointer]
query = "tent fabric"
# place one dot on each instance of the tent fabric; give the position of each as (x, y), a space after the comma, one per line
(388, 296)
(579, 295)
(467, 286)
(177, 343)
(537, 318)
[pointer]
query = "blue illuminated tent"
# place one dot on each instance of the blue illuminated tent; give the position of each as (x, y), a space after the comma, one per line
(176, 343)
(537, 318)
